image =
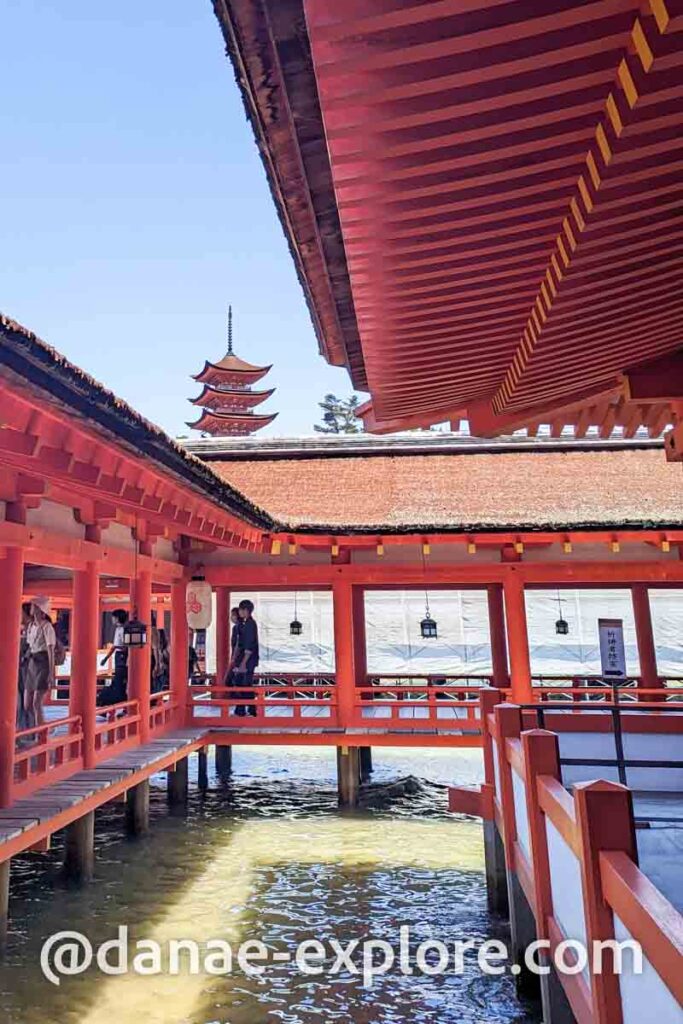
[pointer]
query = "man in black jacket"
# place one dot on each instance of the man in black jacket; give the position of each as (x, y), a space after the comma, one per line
(246, 655)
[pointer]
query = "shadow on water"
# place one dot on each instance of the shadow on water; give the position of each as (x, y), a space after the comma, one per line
(268, 856)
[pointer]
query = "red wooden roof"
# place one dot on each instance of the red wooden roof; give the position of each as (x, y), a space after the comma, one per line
(480, 197)
(231, 370)
(234, 398)
(464, 488)
(230, 423)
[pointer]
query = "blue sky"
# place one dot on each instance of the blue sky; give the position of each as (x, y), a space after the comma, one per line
(135, 207)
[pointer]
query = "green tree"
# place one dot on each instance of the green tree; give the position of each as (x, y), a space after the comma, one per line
(339, 416)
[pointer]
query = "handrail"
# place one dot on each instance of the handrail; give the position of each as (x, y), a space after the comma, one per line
(648, 915)
(614, 712)
(606, 692)
(121, 726)
(124, 709)
(58, 754)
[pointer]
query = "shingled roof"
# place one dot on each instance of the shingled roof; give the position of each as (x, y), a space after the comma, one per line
(458, 485)
(26, 358)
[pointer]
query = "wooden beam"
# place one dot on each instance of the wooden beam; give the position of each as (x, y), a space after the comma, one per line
(44, 547)
(383, 575)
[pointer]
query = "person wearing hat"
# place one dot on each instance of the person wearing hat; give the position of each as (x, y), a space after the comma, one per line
(40, 671)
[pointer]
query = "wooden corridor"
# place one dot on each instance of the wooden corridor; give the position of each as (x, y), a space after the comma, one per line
(32, 820)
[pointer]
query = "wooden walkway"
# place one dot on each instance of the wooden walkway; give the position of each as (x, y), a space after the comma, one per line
(31, 820)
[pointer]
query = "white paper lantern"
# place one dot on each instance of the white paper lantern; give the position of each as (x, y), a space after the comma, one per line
(198, 604)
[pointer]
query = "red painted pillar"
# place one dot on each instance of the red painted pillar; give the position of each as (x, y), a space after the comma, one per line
(222, 633)
(84, 644)
(179, 650)
(499, 653)
(12, 570)
(518, 638)
(360, 661)
(647, 654)
(140, 658)
(342, 599)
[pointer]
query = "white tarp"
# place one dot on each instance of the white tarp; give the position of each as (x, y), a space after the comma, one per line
(462, 647)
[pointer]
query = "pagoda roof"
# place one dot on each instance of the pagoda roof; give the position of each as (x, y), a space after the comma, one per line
(231, 366)
(480, 199)
(213, 422)
(211, 396)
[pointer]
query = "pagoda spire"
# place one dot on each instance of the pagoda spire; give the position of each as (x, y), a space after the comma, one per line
(228, 399)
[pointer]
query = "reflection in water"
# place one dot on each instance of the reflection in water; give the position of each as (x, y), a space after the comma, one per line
(268, 856)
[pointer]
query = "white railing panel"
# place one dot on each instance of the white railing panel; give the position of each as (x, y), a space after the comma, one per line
(644, 996)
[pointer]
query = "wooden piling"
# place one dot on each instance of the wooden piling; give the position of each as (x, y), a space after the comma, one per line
(365, 763)
(137, 809)
(79, 851)
(202, 770)
(223, 761)
(178, 784)
(4, 903)
(348, 775)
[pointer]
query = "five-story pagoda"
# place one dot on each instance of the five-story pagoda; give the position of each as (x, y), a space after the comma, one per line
(227, 399)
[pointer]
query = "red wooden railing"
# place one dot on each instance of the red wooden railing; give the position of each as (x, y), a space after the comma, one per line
(119, 730)
(53, 750)
(162, 713)
(449, 703)
(431, 703)
(551, 836)
(279, 704)
(595, 688)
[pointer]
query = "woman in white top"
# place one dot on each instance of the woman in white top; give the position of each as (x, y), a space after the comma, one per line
(40, 670)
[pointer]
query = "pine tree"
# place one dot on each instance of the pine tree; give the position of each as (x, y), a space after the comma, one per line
(339, 416)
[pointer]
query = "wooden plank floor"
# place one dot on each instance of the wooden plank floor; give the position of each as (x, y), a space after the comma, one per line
(44, 804)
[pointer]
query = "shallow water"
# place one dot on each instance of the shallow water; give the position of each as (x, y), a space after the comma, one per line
(268, 856)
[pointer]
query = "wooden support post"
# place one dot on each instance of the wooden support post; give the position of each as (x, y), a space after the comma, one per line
(518, 638)
(542, 759)
(348, 776)
(222, 634)
(494, 850)
(342, 598)
(494, 863)
(360, 664)
(604, 818)
(499, 653)
(4, 903)
(522, 923)
(178, 784)
(79, 850)
(137, 809)
(223, 761)
(84, 645)
(349, 646)
(140, 658)
(365, 759)
(647, 654)
(202, 770)
(12, 570)
(179, 654)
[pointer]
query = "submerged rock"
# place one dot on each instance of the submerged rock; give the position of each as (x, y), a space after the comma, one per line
(381, 794)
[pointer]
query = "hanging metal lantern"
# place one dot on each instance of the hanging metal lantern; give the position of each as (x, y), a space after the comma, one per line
(428, 624)
(561, 626)
(428, 627)
(295, 627)
(198, 604)
(135, 632)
